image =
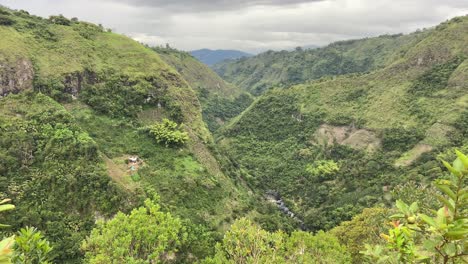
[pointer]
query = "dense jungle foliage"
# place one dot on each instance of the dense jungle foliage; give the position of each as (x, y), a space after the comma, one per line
(72, 131)
(332, 147)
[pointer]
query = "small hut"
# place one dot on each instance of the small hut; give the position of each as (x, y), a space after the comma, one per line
(133, 159)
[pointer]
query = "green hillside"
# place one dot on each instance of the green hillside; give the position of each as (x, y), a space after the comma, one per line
(334, 146)
(107, 153)
(85, 96)
(219, 100)
(283, 68)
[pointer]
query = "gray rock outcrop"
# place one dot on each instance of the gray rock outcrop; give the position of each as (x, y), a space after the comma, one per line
(16, 77)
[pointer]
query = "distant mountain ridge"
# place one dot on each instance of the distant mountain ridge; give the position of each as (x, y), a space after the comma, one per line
(311, 46)
(258, 73)
(211, 57)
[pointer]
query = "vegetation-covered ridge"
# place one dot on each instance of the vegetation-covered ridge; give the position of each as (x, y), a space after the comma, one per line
(76, 100)
(334, 146)
(270, 69)
(211, 57)
(219, 100)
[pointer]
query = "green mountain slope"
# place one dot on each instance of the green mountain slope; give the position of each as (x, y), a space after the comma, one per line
(219, 100)
(83, 97)
(334, 146)
(259, 73)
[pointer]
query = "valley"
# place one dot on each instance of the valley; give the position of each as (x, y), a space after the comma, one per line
(121, 152)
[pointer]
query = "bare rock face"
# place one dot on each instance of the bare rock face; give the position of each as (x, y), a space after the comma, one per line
(74, 82)
(16, 77)
(347, 135)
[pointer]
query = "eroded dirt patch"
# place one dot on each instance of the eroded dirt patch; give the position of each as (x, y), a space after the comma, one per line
(363, 139)
(410, 156)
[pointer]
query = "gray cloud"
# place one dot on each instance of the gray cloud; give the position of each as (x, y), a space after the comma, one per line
(202, 6)
(251, 25)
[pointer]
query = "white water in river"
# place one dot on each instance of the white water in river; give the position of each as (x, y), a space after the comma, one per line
(275, 198)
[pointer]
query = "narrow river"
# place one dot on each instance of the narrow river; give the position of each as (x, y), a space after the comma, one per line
(275, 197)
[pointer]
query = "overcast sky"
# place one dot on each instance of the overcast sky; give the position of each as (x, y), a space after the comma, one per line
(251, 26)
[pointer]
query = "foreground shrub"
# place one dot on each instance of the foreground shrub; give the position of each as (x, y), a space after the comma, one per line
(146, 235)
(246, 242)
(441, 238)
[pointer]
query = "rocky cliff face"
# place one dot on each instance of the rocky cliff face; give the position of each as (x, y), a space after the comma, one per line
(16, 77)
(74, 82)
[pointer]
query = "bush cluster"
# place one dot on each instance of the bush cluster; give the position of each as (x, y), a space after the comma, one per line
(167, 132)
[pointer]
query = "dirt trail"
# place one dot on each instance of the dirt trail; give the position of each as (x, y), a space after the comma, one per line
(119, 173)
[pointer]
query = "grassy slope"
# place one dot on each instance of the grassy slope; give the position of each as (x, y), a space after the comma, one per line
(382, 98)
(259, 73)
(197, 74)
(190, 179)
(220, 101)
(273, 139)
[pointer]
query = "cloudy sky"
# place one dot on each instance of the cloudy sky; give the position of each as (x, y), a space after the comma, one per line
(254, 25)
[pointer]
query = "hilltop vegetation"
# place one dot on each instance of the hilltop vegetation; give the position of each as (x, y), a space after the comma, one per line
(283, 68)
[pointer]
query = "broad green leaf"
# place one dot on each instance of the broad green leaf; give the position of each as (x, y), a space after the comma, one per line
(430, 244)
(462, 157)
(464, 198)
(457, 234)
(446, 189)
(5, 249)
(458, 165)
(6, 207)
(450, 249)
(450, 204)
(5, 201)
(414, 207)
(450, 168)
(428, 220)
(402, 206)
(441, 218)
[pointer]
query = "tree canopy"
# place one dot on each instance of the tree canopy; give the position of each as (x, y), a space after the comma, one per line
(146, 235)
